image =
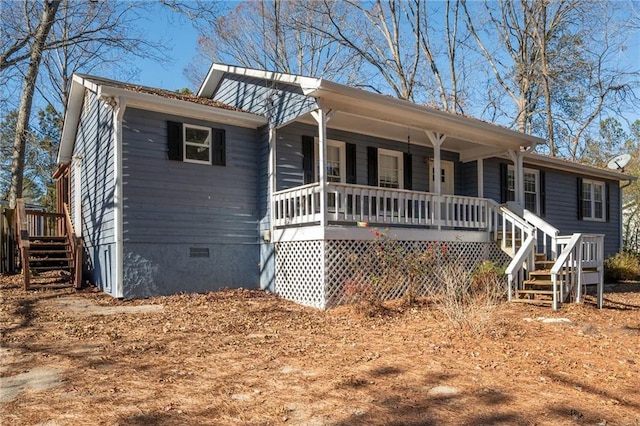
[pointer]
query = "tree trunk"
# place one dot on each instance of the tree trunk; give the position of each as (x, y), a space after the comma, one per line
(22, 126)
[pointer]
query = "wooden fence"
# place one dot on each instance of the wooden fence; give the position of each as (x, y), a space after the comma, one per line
(9, 258)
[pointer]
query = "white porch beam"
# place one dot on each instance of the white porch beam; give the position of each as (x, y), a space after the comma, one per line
(480, 152)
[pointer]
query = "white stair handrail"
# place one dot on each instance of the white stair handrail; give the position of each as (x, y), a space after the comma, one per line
(516, 267)
(549, 232)
(567, 260)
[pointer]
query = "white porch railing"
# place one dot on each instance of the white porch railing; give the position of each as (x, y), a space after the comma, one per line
(358, 203)
(580, 262)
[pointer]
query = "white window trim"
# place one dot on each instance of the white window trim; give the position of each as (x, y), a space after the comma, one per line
(535, 172)
(343, 158)
(593, 217)
(400, 156)
(185, 143)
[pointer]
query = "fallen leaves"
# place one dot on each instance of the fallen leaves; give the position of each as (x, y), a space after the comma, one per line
(244, 356)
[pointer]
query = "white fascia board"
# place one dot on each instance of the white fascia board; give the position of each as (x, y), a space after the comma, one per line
(560, 164)
(384, 104)
(72, 117)
(217, 71)
(210, 82)
(185, 108)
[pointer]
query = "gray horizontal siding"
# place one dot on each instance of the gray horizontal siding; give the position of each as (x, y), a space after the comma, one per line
(94, 146)
(169, 202)
(281, 102)
(562, 202)
(289, 156)
(468, 178)
(492, 178)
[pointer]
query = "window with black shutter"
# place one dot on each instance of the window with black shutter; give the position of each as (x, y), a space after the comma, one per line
(191, 143)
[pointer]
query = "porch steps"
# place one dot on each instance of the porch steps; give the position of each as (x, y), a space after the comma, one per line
(49, 254)
(538, 288)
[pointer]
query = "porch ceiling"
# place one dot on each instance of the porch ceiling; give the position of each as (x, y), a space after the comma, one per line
(386, 129)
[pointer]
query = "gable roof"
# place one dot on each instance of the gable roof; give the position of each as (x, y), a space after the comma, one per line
(355, 104)
(383, 111)
(148, 98)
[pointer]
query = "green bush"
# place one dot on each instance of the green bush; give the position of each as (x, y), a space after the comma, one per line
(622, 266)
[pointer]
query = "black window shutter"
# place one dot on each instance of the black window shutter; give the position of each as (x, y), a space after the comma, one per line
(607, 191)
(580, 200)
(504, 188)
(351, 163)
(372, 166)
(219, 153)
(543, 194)
(174, 140)
(408, 171)
(307, 159)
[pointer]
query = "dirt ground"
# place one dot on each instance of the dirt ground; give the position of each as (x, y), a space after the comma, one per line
(243, 357)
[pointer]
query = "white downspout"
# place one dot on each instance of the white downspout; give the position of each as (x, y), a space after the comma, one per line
(272, 185)
(118, 113)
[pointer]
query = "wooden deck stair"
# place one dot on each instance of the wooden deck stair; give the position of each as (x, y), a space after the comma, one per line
(50, 254)
(47, 244)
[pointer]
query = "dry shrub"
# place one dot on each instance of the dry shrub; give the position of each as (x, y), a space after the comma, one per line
(464, 295)
(622, 266)
(362, 296)
(467, 298)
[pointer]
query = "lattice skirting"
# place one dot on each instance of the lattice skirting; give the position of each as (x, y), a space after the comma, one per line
(324, 274)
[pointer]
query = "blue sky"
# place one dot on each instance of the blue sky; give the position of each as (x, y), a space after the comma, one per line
(181, 41)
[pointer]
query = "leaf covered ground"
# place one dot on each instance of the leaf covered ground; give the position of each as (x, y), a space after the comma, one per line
(244, 357)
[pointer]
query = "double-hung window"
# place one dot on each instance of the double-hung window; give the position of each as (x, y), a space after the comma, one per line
(593, 200)
(390, 169)
(531, 188)
(191, 143)
(197, 144)
(336, 168)
(336, 161)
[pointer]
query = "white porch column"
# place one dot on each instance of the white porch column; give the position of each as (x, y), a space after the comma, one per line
(436, 140)
(480, 167)
(321, 118)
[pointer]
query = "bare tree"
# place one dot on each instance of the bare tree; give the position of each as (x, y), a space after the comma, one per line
(442, 81)
(378, 35)
(70, 36)
(35, 55)
(271, 35)
(513, 22)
